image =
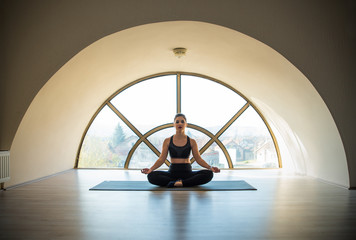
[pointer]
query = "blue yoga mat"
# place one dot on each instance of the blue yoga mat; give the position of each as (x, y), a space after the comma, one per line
(240, 185)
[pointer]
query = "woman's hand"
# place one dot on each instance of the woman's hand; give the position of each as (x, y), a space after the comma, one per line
(215, 169)
(146, 171)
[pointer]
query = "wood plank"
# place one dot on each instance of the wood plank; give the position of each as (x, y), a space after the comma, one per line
(283, 207)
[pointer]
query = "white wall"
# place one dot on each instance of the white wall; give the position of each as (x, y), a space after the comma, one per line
(50, 132)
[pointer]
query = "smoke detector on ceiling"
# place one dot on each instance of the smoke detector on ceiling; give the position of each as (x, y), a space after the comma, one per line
(179, 52)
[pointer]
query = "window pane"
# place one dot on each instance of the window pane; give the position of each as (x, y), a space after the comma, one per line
(149, 103)
(144, 157)
(249, 142)
(207, 103)
(107, 142)
(157, 138)
(214, 156)
(201, 140)
(198, 136)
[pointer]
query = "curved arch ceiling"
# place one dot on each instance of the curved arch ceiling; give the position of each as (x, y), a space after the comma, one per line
(61, 110)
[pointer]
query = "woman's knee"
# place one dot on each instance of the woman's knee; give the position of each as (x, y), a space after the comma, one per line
(208, 175)
(151, 177)
(157, 178)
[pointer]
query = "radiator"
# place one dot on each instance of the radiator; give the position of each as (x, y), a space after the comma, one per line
(4, 167)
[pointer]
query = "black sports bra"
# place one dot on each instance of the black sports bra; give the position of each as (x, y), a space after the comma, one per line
(179, 152)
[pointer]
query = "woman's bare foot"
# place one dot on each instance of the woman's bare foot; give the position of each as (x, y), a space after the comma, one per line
(178, 183)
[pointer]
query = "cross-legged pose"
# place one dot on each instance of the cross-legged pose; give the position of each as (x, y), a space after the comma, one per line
(180, 173)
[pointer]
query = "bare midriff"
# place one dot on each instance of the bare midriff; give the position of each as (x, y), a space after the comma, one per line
(180, 160)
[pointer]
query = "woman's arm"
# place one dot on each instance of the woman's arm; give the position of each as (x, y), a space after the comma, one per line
(199, 159)
(162, 158)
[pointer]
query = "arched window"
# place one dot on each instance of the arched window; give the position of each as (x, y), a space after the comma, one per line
(129, 128)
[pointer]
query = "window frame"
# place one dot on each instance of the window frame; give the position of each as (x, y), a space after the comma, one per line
(143, 137)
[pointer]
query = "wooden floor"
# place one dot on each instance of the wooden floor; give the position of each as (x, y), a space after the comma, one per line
(283, 207)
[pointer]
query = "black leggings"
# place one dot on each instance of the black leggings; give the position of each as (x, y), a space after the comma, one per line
(180, 171)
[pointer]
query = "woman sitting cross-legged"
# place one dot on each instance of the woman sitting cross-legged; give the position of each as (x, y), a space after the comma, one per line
(180, 173)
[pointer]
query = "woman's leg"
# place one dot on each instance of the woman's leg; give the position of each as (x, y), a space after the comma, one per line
(198, 178)
(160, 178)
